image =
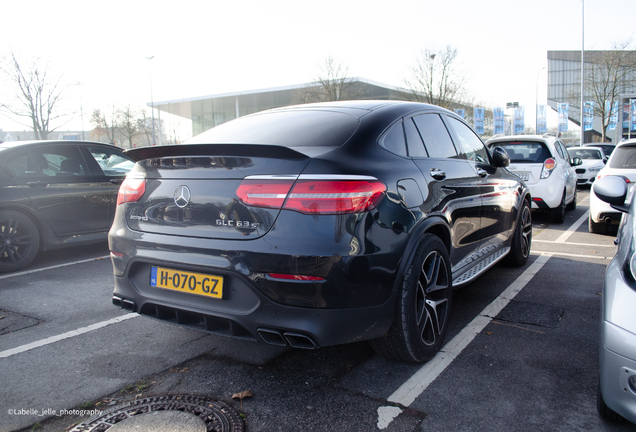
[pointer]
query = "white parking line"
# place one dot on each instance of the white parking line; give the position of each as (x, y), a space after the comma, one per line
(414, 386)
(6, 276)
(70, 334)
(566, 235)
(575, 244)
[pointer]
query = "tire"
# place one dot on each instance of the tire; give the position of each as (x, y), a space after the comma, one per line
(604, 411)
(558, 213)
(596, 228)
(522, 238)
(19, 241)
(423, 306)
(572, 205)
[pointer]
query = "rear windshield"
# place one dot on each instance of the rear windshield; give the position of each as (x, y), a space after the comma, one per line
(524, 151)
(584, 153)
(624, 157)
(293, 128)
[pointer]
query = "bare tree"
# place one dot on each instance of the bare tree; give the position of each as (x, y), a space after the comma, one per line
(37, 94)
(606, 73)
(128, 124)
(435, 78)
(331, 84)
(105, 125)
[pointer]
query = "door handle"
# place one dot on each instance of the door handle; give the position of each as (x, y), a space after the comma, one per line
(116, 181)
(482, 173)
(35, 184)
(437, 174)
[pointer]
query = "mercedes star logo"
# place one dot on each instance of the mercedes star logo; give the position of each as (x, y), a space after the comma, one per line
(182, 196)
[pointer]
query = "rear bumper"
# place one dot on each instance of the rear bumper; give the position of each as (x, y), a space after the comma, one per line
(354, 301)
(545, 195)
(246, 313)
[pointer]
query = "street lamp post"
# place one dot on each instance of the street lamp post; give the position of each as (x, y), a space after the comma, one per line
(152, 103)
(512, 105)
(582, 66)
(81, 109)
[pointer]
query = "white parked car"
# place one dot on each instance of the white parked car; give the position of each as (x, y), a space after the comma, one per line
(621, 163)
(543, 163)
(593, 161)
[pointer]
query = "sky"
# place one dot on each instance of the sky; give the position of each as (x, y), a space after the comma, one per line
(210, 47)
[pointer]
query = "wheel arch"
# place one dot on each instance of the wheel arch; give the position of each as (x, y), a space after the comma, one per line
(434, 225)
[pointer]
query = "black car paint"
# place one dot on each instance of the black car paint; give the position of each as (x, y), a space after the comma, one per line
(67, 210)
(361, 256)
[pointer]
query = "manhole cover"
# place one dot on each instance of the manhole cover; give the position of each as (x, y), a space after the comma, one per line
(215, 416)
(530, 313)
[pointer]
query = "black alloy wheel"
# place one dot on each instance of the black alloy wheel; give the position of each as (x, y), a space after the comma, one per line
(423, 306)
(19, 241)
(522, 238)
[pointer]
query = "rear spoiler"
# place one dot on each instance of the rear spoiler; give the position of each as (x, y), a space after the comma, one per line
(206, 150)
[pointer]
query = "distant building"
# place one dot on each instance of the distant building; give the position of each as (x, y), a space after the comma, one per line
(30, 135)
(564, 86)
(207, 112)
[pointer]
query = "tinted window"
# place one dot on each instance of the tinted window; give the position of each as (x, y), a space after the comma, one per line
(20, 165)
(394, 140)
(60, 161)
(436, 139)
(413, 140)
(471, 146)
(624, 157)
(293, 128)
(111, 161)
(524, 151)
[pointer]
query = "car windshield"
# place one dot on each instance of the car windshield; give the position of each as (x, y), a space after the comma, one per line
(524, 151)
(584, 153)
(624, 157)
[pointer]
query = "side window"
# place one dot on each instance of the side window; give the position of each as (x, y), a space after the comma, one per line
(471, 146)
(565, 155)
(394, 141)
(413, 140)
(55, 161)
(436, 139)
(20, 165)
(112, 162)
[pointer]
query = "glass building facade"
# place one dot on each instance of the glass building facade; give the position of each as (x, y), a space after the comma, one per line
(564, 84)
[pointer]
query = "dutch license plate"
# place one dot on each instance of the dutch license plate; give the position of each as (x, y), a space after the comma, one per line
(523, 176)
(188, 282)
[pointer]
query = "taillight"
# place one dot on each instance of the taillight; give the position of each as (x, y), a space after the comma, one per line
(264, 193)
(131, 190)
(314, 196)
(548, 167)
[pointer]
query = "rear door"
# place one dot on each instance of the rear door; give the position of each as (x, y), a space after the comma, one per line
(59, 183)
(453, 185)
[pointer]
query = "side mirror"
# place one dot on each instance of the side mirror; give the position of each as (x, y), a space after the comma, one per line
(500, 157)
(605, 159)
(612, 190)
(576, 161)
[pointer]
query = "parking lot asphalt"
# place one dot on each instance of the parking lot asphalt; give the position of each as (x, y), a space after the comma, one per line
(521, 354)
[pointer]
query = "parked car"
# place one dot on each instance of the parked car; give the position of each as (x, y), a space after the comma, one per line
(617, 346)
(543, 163)
(608, 148)
(593, 160)
(621, 163)
(316, 225)
(56, 194)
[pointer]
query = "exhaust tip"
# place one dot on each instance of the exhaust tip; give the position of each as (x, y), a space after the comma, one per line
(608, 220)
(297, 340)
(272, 337)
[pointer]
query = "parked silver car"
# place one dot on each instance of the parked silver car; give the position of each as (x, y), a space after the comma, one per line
(617, 348)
